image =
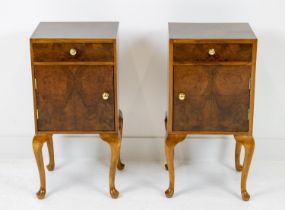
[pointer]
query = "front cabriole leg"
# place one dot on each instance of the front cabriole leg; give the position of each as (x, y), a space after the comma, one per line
(38, 141)
(170, 141)
(114, 140)
(248, 143)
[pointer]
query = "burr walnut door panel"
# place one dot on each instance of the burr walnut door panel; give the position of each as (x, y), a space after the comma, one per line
(69, 98)
(216, 98)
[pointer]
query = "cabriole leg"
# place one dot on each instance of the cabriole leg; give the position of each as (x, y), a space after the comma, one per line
(38, 142)
(51, 164)
(120, 165)
(170, 141)
(249, 144)
(237, 156)
(113, 139)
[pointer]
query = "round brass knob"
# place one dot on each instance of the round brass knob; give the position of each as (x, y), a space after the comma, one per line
(73, 52)
(181, 96)
(105, 96)
(212, 51)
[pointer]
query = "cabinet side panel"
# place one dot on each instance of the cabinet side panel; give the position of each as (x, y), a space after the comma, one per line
(170, 87)
(116, 84)
(252, 86)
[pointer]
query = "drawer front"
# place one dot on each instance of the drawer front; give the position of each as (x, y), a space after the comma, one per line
(57, 52)
(184, 53)
(71, 98)
(211, 98)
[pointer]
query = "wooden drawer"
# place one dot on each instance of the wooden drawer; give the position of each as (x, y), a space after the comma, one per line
(183, 53)
(57, 52)
(211, 98)
(70, 98)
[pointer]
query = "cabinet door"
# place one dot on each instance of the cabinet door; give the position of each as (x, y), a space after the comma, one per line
(69, 98)
(216, 98)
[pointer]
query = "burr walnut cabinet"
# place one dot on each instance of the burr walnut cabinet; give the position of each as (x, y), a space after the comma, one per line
(211, 88)
(74, 74)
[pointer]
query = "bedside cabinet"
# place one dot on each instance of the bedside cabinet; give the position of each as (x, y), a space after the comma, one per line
(74, 74)
(211, 88)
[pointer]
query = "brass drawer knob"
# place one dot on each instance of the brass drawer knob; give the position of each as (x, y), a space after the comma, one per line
(181, 96)
(212, 51)
(105, 96)
(73, 52)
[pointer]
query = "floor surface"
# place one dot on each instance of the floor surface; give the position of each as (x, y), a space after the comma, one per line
(83, 184)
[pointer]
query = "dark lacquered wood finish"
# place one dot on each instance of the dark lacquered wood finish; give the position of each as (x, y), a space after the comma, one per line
(74, 70)
(211, 87)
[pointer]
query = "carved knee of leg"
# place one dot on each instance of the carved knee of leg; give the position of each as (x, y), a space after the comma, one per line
(37, 144)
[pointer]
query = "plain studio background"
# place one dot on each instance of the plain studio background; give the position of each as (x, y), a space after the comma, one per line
(143, 52)
(143, 68)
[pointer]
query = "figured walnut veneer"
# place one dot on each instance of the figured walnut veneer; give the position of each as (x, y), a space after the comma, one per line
(70, 98)
(223, 52)
(217, 98)
(74, 71)
(52, 52)
(211, 88)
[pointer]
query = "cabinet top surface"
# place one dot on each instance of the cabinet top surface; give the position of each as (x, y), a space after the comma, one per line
(210, 31)
(76, 30)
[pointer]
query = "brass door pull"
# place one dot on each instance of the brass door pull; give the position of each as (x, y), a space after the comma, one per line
(212, 51)
(105, 96)
(73, 52)
(181, 96)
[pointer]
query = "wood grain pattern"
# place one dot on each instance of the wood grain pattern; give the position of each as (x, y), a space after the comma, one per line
(223, 52)
(217, 98)
(68, 89)
(70, 98)
(211, 93)
(57, 52)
